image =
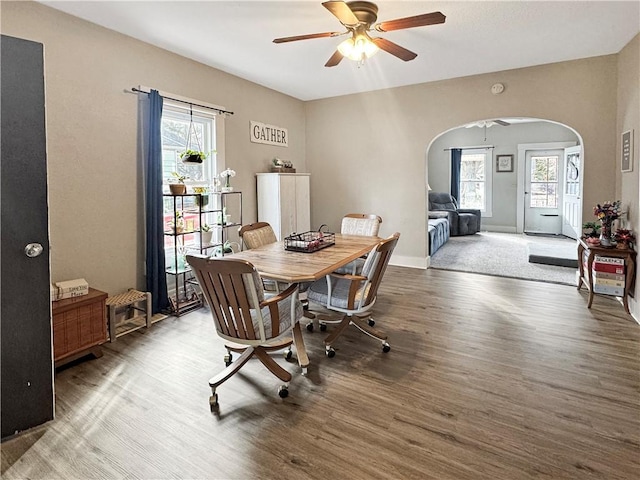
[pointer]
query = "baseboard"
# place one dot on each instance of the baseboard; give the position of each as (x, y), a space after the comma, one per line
(411, 262)
(498, 229)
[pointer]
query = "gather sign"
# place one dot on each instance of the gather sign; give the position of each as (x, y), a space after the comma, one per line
(269, 134)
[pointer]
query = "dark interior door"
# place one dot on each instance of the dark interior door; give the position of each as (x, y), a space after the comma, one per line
(25, 323)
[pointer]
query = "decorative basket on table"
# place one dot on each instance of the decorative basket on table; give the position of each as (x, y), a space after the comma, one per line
(309, 242)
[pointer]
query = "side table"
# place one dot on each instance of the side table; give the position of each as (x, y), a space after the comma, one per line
(79, 326)
(586, 277)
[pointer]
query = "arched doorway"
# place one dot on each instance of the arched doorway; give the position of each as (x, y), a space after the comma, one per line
(509, 190)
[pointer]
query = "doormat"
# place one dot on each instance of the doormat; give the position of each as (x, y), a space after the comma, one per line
(560, 255)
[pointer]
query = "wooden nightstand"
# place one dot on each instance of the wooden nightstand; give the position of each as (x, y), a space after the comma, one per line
(79, 326)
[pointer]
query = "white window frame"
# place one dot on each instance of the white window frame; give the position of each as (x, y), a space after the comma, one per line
(488, 181)
(211, 164)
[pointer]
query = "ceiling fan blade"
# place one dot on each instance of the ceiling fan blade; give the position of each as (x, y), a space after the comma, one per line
(306, 37)
(342, 12)
(335, 59)
(410, 22)
(502, 122)
(394, 49)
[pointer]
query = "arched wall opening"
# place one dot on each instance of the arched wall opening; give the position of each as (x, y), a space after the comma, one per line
(507, 187)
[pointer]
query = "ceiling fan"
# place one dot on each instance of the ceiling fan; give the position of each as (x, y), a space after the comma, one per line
(359, 19)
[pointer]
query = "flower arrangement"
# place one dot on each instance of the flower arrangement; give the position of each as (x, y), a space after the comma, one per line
(608, 211)
(227, 174)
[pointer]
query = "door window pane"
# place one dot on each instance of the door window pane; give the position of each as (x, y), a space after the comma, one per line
(544, 182)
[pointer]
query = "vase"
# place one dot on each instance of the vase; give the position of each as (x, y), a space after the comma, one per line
(605, 233)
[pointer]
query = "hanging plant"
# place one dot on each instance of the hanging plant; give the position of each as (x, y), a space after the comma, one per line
(192, 156)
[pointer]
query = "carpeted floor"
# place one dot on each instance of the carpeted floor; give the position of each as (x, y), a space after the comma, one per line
(502, 255)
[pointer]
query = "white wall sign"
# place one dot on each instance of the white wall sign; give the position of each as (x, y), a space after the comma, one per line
(269, 134)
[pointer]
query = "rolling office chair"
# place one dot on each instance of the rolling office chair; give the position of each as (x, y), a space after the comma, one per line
(355, 295)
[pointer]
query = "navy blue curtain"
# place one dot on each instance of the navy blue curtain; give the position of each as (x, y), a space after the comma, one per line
(155, 271)
(456, 159)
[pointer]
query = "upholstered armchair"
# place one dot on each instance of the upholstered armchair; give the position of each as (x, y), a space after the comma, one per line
(461, 221)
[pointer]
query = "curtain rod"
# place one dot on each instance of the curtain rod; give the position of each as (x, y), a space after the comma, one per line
(486, 147)
(188, 102)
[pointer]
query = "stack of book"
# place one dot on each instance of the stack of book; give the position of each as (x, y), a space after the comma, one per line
(69, 289)
(608, 275)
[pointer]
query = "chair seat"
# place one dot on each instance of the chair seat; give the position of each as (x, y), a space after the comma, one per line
(319, 292)
(284, 312)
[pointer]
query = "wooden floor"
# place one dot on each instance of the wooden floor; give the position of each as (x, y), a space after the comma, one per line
(488, 378)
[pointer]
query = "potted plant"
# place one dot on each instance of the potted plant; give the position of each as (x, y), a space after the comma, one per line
(177, 225)
(205, 234)
(624, 238)
(192, 156)
(202, 200)
(227, 174)
(591, 236)
(176, 185)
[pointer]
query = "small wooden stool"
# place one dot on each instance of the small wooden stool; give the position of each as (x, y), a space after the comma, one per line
(129, 300)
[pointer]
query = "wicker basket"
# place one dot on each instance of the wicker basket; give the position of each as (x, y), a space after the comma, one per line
(309, 242)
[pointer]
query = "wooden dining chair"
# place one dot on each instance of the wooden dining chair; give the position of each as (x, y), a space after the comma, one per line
(256, 235)
(250, 322)
(355, 295)
(359, 224)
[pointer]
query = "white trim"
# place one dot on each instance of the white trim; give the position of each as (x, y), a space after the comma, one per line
(522, 151)
(406, 261)
(498, 229)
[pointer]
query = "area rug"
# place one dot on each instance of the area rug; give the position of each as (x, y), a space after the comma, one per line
(502, 255)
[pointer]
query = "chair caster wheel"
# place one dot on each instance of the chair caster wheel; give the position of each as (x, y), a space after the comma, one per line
(304, 371)
(288, 354)
(309, 327)
(213, 402)
(331, 352)
(323, 327)
(371, 322)
(305, 306)
(228, 359)
(283, 392)
(386, 347)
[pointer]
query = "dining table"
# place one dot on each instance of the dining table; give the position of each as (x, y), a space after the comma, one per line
(273, 261)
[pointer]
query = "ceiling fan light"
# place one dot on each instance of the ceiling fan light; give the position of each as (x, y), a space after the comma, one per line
(357, 49)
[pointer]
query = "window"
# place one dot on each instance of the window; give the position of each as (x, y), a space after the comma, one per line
(176, 138)
(475, 181)
(544, 182)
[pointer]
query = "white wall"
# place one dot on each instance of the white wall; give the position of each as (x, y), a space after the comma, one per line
(95, 221)
(505, 140)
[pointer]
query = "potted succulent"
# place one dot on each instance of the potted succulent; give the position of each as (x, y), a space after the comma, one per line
(176, 185)
(206, 234)
(202, 200)
(594, 230)
(177, 225)
(192, 156)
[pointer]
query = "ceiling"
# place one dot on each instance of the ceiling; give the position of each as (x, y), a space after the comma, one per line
(477, 37)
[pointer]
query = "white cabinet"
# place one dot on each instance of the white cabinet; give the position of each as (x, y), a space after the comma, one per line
(283, 202)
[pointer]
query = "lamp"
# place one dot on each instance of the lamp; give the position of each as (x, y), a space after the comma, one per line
(358, 48)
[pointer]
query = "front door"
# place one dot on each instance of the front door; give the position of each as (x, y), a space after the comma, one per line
(571, 204)
(26, 358)
(543, 191)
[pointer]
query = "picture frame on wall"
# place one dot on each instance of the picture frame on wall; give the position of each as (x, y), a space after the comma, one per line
(504, 163)
(627, 151)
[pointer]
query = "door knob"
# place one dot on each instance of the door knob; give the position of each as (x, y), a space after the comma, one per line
(33, 250)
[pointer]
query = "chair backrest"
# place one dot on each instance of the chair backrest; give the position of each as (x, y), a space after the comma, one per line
(360, 224)
(257, 234)
(376, 265)
(232, 289)
(442, 201)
